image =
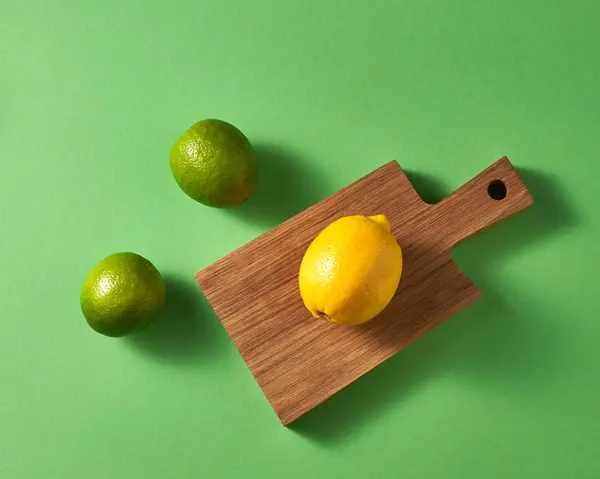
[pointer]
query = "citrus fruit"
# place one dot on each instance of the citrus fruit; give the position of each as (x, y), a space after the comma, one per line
(213, 163)
(351, 270)
(122, 294)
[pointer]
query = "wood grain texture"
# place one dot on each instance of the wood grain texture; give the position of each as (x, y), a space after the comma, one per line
(299, 361)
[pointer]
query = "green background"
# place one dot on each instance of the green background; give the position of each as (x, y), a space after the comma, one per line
(92, 96)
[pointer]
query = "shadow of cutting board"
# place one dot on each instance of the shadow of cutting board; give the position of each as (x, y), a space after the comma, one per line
(299, 361)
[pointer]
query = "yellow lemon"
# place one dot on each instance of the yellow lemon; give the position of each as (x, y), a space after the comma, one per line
(351, 270)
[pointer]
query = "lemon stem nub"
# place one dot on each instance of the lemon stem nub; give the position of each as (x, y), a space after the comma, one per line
(322, 315)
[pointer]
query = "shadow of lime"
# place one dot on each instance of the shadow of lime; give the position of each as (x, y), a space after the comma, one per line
(287, 185)
(489, 343)
(187, 331)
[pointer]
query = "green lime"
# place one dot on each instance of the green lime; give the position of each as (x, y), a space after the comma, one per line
(122, 294)
(213, 163)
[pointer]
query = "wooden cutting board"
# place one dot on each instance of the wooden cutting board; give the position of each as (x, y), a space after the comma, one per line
(299, 361)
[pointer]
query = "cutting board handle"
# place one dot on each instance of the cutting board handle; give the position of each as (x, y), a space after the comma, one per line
(492, 196)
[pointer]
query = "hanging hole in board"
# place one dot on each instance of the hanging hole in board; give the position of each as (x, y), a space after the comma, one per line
(497, 190)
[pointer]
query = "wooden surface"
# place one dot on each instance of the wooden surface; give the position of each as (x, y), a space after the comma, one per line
(299, 361)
